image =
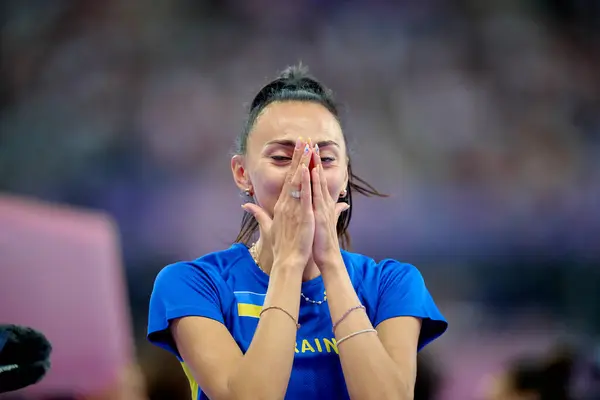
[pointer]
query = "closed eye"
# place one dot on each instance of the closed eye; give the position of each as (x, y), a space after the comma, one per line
(285, 158)
(281, 158)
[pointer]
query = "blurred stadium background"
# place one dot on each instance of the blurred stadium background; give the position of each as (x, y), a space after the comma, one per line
(480, 118)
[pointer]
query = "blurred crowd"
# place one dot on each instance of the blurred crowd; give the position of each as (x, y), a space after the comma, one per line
(481, 119)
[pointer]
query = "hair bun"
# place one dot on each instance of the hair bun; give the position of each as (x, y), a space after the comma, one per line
(295, 73)
(298, 77)
(293, 78)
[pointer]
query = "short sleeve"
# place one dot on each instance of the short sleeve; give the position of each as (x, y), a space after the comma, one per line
(402, 292)
(181, 290)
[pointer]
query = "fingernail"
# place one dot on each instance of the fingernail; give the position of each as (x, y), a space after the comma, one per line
(306, 149)
(299, 143)
(316, 148)
(309, 141)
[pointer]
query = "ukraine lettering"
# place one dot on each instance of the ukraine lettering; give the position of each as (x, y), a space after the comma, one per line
(317, 345)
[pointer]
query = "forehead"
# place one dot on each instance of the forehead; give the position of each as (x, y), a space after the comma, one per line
(291, 119)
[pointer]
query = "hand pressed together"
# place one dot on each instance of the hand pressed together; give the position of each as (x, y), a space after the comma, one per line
(289, 234)
(327, 212)
(305, 215)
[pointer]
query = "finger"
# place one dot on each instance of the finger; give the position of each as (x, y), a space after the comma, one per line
(306, 191)
(317, 192)
(296, 157)
(340, 208)
(263, 219)
(323, 183)
(307, 153)
(319, 167)
(296, 181)
(317, 156)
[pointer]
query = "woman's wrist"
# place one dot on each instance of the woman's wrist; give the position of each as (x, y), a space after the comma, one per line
(332, 265)
(289, 266)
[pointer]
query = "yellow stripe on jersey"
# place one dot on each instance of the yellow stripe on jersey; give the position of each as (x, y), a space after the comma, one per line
(249, 310)
(193, 384)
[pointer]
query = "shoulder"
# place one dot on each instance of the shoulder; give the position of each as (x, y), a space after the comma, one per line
(396, 289)
(192, 288)
(368, 271)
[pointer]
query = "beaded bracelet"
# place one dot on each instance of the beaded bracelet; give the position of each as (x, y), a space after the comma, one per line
(359, 307)
(280, 309)
(354, 334)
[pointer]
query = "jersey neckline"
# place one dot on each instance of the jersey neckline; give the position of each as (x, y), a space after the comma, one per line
(310, 288)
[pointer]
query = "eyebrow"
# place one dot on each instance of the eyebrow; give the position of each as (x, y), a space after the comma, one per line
(292, 143)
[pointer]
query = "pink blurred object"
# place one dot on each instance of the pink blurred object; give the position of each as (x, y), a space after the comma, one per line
(61, 273)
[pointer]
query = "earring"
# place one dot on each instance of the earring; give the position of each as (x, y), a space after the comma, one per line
(248, 192)
(343, 194)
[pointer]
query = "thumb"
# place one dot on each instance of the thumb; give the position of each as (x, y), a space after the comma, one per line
(263, 219)
(340, 208)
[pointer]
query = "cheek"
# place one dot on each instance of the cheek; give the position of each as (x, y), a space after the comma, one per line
(335, 182)
(267, 187)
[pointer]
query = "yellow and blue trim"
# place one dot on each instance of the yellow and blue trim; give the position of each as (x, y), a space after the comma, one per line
(250, 304)
(192, 381)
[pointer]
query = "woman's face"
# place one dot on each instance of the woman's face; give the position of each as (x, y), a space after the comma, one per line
(271, 143)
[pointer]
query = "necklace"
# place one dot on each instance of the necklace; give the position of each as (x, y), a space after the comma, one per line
(254, 254)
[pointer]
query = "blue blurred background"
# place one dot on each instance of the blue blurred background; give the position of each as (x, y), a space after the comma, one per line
(481, 119)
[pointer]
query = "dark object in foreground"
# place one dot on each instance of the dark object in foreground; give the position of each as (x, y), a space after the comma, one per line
(24, 357)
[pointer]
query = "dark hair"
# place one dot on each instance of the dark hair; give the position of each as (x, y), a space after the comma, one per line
(296, 84)
(548, 378)
(428, 380)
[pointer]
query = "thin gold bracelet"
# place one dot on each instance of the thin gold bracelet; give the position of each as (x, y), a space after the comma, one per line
(355, 334)
(280, 309)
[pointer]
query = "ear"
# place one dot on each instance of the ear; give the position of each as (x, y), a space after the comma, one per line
(346, 179)
(240, 176)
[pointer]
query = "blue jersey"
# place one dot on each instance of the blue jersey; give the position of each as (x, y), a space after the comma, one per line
(228, 286)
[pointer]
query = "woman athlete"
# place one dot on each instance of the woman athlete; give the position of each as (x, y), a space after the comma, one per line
(292, 315)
